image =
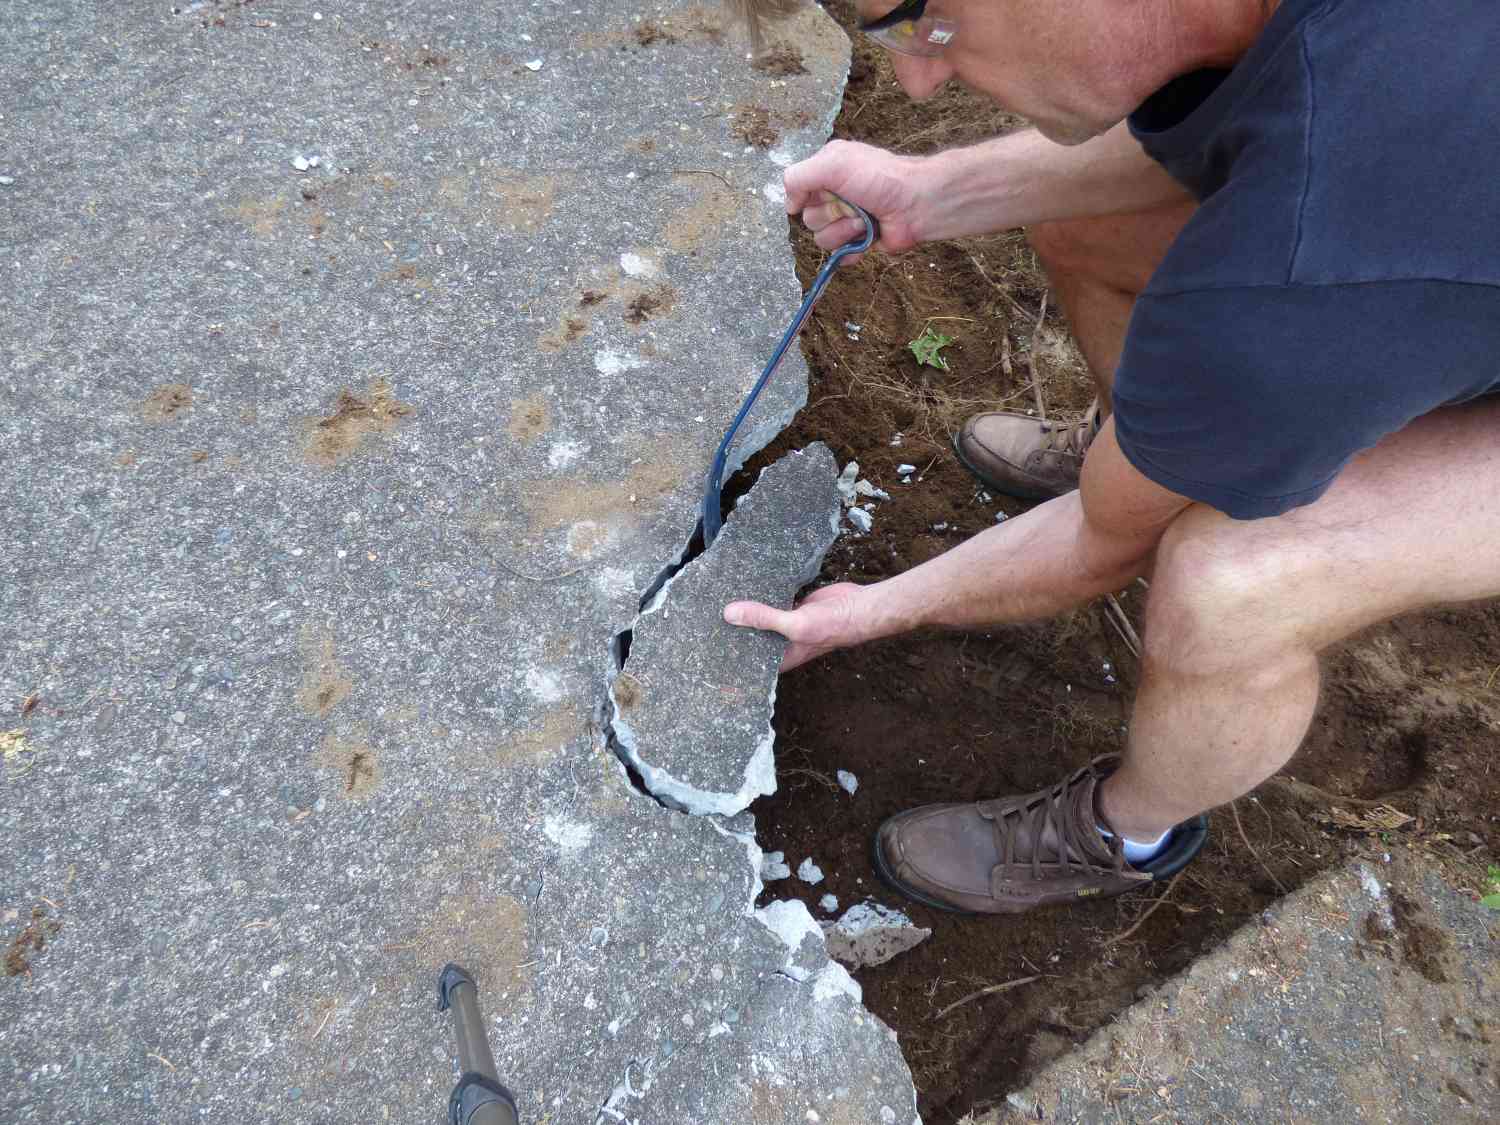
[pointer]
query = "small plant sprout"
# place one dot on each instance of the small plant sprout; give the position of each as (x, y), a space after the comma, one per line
(928, 348)
(1491, 897)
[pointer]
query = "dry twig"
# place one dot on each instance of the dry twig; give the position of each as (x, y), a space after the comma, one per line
(1036, 339)
(1150, 910)
(326, 1017)
(703, 172)
(539, 577)
(1115, 615)
(1234, 809)
(990, 991)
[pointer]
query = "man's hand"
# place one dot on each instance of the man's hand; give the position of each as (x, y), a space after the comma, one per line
(884, 184)
(826, 619)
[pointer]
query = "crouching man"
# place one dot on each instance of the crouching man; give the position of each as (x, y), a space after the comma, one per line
(1275, 229)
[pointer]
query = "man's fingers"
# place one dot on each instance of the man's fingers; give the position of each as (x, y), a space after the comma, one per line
(834, 235)
(755, 615)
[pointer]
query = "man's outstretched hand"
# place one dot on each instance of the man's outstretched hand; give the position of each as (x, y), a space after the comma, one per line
(828, 618)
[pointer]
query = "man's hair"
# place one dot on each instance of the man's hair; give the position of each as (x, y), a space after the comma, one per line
(754, 14)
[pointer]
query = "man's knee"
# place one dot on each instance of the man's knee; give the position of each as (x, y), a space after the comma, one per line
(1120, 251)
(1214, 604)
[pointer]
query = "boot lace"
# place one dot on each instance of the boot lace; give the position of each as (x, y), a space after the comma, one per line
(1072, 437)
(1026, 820)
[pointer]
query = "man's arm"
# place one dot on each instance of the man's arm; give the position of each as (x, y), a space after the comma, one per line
(1056, 556)
(1023, 178)
(1011, 181)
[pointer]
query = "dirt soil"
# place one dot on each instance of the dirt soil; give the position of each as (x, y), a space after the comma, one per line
(1407, 727)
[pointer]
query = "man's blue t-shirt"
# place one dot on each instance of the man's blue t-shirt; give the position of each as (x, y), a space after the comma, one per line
(1342, 274)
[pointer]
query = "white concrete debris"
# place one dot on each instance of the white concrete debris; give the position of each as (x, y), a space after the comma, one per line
(773, 866)
(830, 903)
(871, 934)
(534, 64)
(834, 980)
(847, 781)
(846, 480)
(809, 872)
(790, 920)
(861, 520)
(865, 488)
(569, 835)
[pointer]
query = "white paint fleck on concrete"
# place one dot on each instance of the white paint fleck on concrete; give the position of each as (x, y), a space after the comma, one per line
(607, 361)
(564, 453)
(637, 265)
(545, 686)
(775, 192)
(569, 835)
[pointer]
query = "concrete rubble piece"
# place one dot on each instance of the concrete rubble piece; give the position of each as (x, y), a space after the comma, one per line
(870, 934)
(692, 705)
(359, 371)
(1369, 994)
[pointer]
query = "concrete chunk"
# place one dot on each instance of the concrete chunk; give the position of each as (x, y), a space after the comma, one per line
(692, 706)
(871, 934)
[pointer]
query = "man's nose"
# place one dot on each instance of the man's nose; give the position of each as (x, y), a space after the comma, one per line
(920, 77)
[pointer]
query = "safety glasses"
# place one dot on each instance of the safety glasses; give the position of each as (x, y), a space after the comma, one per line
(907, 29)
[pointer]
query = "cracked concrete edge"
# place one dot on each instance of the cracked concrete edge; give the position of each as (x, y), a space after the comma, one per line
(759, 777)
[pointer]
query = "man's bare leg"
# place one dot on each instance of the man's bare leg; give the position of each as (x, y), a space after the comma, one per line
(1097, 267)
(1239, 611)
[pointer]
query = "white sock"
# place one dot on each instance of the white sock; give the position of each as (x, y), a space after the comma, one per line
(1138, 851)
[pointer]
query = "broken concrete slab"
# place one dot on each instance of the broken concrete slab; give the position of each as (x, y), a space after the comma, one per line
(871, 934)
(1365, 995)
(692, 704)
(328, 489)
(796, 1052)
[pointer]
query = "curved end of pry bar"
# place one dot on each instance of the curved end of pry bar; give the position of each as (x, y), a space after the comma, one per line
(714, 485)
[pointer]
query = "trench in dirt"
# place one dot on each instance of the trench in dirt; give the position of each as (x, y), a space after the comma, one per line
(1408, 719)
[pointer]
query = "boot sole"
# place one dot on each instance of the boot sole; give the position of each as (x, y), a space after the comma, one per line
(1015, 491)
(1187, 841)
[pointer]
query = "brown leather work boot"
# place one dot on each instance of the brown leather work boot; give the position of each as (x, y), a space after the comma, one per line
(1012, 854)
(1022, 456)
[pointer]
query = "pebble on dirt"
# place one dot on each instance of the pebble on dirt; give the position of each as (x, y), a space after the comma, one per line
(848, 781)
(829, 903)
(809, 872)
(846, 482)
(773, 866)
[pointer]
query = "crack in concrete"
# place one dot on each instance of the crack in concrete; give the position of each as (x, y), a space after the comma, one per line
(806, 963)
